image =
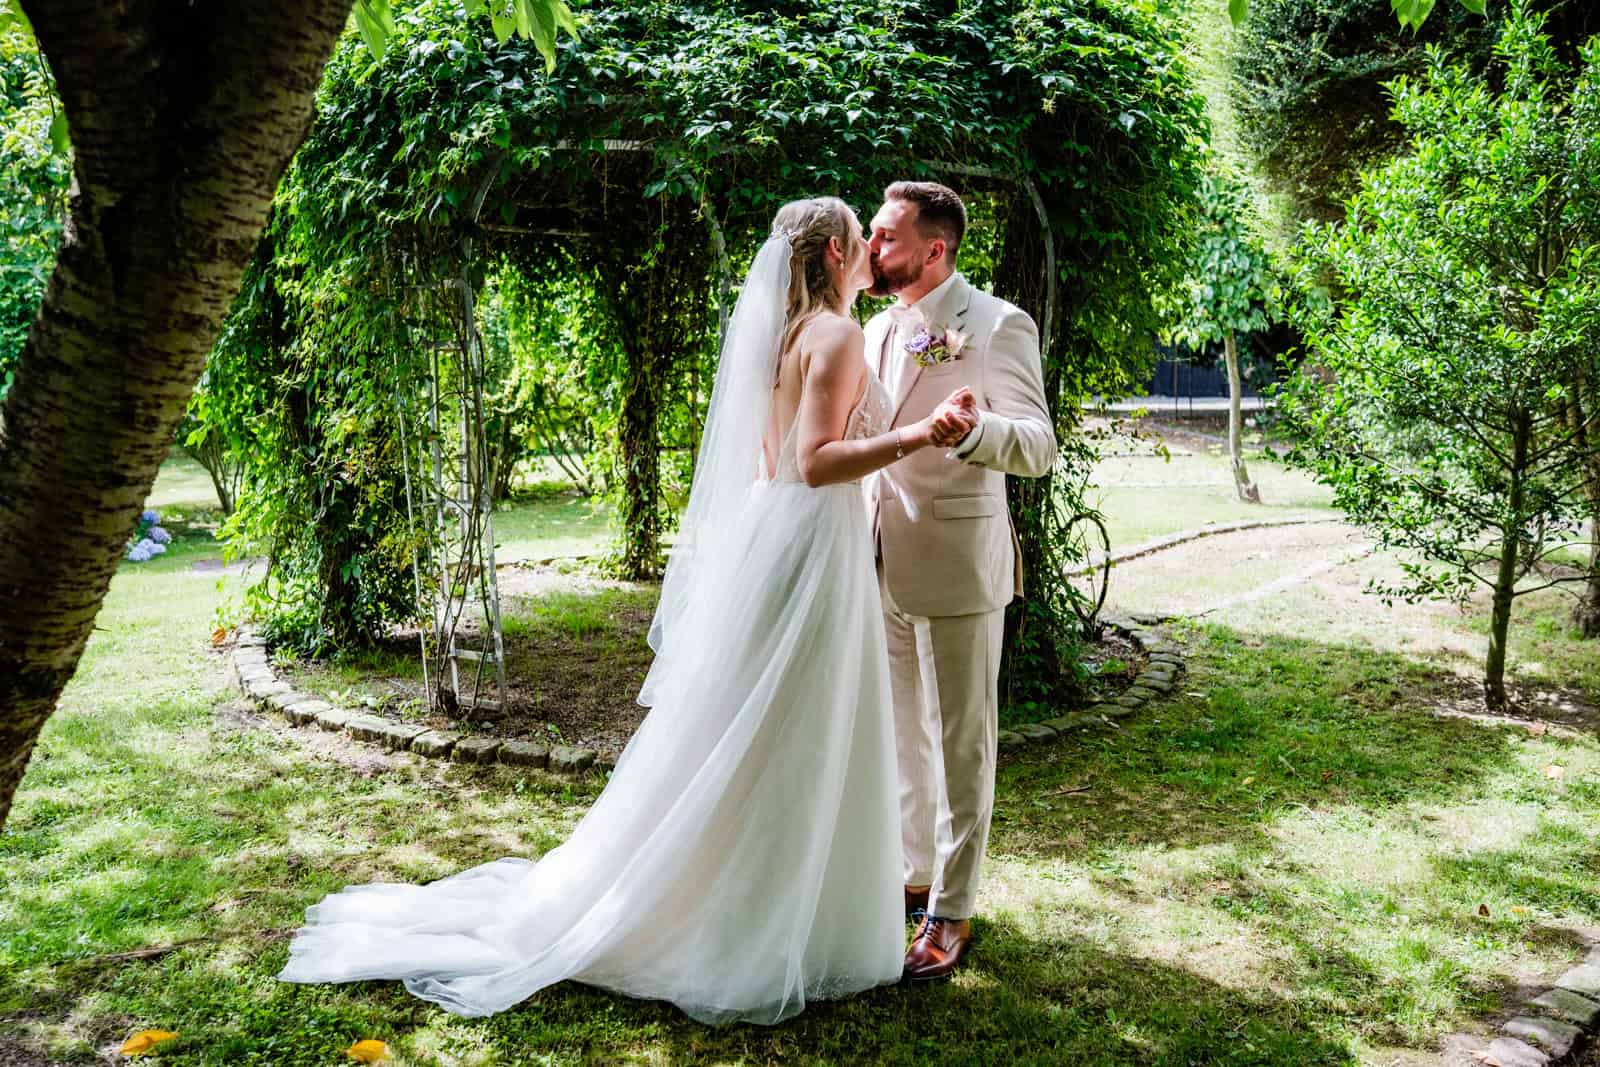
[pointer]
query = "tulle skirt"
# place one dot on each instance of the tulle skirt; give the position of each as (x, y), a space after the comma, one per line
(744, 858)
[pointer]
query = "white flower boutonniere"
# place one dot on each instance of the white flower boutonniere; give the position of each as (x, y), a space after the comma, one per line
(930, 343)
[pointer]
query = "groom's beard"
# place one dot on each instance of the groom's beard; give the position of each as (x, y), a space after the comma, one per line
(889, 282)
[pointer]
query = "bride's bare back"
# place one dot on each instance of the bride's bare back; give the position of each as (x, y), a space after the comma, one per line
(828, 358)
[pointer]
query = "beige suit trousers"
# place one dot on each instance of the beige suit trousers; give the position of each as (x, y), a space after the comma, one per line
(945, 676)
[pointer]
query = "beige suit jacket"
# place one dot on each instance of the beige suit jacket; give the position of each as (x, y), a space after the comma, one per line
(944, 531)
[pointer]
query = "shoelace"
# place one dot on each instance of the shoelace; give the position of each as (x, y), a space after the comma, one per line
(930, 925)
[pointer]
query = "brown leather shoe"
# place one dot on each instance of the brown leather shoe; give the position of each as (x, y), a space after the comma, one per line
(937, 949)
(916, 899)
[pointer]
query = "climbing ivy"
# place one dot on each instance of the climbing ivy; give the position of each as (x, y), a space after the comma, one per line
(658, 124)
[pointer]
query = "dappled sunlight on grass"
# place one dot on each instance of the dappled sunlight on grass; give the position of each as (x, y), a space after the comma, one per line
(1288, 862)
(1308, 823)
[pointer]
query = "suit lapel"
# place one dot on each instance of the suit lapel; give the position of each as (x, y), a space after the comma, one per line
(907, 382)
(961, 291)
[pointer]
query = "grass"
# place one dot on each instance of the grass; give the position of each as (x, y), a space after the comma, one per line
(1145, 494)
(1289, 862)
(551, 524)
(1284, 869)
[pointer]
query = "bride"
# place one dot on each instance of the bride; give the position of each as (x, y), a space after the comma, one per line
(745, 856)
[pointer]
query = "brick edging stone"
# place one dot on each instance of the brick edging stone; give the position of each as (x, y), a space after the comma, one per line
(1549, 1030)
(252, 670)
(1157, 679)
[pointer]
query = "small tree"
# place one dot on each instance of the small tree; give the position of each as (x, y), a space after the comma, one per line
(1227, 291)
(1465, 316)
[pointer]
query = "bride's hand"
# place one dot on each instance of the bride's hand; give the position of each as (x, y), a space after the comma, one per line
(952, 420)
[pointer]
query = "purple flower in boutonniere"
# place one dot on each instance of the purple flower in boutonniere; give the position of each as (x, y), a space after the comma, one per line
(931, 344)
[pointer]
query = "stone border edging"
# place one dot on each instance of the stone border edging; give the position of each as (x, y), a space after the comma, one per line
(1183, 537)
(1157, 679)
(1549, 1030)
(253, 672)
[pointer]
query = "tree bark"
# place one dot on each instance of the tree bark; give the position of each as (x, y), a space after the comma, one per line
(183, 117)
(1505, 581)
(1241, 478)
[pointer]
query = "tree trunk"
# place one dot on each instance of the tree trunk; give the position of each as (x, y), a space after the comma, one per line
(1241, 477)
(183, 117)
(1505, 581)
(656, 286)
(213, 456)
(1586, 613)
(641, 474)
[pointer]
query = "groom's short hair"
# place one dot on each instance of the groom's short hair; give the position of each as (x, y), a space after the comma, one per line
(939, 210)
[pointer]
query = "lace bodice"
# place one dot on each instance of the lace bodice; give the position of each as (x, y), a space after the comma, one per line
(870, 417)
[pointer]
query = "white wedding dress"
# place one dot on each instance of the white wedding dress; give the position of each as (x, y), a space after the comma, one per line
(745, 857)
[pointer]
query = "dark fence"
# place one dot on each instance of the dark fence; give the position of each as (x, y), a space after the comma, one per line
(1175, 377)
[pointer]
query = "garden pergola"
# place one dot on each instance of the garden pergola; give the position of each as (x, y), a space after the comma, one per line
(650, 167)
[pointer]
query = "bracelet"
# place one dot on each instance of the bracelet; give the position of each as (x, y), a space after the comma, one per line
(899, 445)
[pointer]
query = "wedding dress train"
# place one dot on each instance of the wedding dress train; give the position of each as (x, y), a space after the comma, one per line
(745, 857)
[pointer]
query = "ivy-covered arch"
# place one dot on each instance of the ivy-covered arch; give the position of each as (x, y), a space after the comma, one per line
(652, 159)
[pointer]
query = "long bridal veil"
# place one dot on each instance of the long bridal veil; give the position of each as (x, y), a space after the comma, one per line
(729, 464)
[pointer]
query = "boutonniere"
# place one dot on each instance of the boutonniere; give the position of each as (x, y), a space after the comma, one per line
(931, 343)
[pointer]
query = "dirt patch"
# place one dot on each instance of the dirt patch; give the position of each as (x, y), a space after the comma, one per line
(13, 1055)
(576, 656)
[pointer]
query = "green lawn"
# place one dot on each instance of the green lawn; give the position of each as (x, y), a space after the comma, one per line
(1301, 858)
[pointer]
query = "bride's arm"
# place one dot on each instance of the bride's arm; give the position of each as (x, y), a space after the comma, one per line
(830, 385)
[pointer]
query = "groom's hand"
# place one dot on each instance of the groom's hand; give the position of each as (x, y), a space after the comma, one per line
(953, 419)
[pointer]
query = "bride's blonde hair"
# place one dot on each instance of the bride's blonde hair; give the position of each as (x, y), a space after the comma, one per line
(810, 224)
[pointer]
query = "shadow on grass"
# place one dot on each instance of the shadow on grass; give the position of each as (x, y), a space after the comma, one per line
(1257, 727)
(1019, 1000)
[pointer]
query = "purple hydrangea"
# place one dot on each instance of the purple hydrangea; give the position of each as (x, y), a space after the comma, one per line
(919, 342)
(150, 516)
(158, 535)
(144, 550)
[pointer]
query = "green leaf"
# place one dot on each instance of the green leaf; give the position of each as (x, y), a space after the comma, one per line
(504, 26)
(1237, 10)
(1474, 6)
(60, 136)
(564, 19)
(375, 20)
(544, 31)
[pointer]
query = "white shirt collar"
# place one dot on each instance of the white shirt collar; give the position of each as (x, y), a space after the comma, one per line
(932, 305)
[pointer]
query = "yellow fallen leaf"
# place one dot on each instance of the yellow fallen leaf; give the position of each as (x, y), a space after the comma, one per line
(219, 635)
(1248, 780)
(1555, 772)
(144, 1041)
(368, 1051)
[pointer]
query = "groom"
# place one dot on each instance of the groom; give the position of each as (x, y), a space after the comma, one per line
(948, 560)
